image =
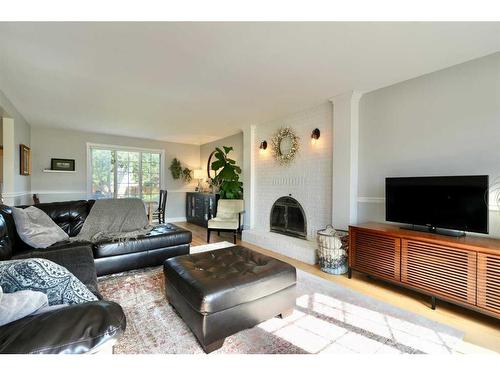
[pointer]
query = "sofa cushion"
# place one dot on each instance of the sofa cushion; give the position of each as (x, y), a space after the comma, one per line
(218, 223)
(42, 275)
(36, 228)
(69, 215)
(164, 235)
(75, 257)
(17, 305)
(220, 279)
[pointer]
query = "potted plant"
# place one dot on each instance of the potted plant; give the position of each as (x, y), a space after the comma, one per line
(227, 178)
(179, 172)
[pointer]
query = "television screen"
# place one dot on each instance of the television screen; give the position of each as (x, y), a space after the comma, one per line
(451, 202)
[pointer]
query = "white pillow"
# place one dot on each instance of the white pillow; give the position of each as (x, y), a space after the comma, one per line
(14, 306)
(36, 228)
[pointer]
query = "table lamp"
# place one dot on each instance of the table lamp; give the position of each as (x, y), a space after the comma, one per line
(199, 174)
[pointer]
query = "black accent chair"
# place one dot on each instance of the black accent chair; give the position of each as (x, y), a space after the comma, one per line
(162, 206)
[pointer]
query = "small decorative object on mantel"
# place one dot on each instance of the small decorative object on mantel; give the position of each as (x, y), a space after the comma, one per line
(62, 164)
(333, 246)
(25, 160)
(179, 172)
(285, 145)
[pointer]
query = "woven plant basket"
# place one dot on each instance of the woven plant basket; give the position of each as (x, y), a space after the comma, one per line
(333, 246)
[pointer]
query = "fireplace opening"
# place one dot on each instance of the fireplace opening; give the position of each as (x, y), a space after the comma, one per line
(288, 218)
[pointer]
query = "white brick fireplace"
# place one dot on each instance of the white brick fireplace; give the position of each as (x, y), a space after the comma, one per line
(310, 178)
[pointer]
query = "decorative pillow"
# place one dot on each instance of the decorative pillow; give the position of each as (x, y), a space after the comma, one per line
(42, 275)
(36, 228)
(14, 306)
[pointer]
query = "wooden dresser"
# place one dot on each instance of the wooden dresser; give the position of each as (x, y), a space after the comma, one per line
(463, 270)
(200, 207)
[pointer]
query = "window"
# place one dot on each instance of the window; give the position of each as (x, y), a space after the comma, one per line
(124, 173)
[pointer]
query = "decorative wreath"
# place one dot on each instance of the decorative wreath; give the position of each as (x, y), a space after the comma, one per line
(282, 133)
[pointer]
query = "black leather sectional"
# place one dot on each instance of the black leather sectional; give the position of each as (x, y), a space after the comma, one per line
(165, 241)
(85, 327)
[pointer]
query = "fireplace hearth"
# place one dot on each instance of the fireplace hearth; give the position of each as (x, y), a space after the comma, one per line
(288, 218)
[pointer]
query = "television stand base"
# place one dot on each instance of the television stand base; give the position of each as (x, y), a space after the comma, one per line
(444, 232)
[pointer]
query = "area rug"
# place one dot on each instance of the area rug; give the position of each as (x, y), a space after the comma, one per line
(328, 318)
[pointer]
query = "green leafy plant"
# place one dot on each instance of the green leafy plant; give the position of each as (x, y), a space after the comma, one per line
(178, 172)
(227, 177)
(175, 169)
(187, 175)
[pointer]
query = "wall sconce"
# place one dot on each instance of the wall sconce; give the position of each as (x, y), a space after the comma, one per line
(263, 146)
(315, 135)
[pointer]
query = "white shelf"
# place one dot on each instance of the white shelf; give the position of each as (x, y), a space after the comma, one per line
(53, 171)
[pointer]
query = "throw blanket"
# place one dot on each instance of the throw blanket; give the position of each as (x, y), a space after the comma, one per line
(115, 220)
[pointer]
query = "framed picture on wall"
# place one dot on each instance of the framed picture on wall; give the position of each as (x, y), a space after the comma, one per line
(62, 164)
(25, 160)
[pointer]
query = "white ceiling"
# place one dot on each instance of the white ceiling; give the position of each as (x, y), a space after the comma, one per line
(196, 82)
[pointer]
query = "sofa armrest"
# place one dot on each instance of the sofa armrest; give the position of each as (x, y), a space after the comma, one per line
(73, 329)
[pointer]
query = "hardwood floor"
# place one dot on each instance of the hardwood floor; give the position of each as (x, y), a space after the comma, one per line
(480, 331)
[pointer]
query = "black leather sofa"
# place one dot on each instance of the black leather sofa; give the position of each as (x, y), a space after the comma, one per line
(165, 241)
(74, 329)
(85, 327)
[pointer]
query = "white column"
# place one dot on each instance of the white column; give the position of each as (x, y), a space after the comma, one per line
(9, 161)
(345, 159)
(249, 149)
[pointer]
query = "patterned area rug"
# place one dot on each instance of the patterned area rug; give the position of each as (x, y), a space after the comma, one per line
(328, 318)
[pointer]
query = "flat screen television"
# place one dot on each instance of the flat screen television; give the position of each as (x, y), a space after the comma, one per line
(451, 202)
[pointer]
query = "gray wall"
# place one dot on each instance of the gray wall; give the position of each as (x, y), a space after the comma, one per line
(235, 141)
(444, 123)
(20, 184)
(50, 143)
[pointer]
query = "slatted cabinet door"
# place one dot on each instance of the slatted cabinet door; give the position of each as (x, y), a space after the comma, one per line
(488, 282)
(376, 255)
(442, 271)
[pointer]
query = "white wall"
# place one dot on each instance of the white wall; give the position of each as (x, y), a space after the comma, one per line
(308, 178)
(443, 123)
(50, 143)
(17, 190)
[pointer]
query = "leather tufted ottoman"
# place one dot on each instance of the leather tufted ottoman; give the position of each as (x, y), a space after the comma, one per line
(221, 292)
